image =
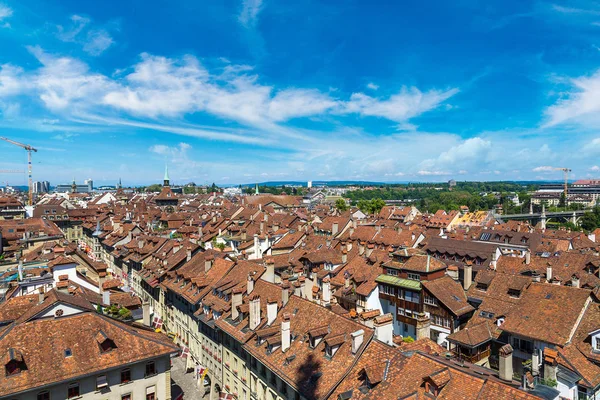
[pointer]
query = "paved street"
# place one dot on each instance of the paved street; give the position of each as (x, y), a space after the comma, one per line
(182, 381)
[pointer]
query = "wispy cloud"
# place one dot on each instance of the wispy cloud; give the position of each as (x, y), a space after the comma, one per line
(372, 86)
(175, 152)
(543, 168)
(5, 13)
(249, 14)
(93, 41)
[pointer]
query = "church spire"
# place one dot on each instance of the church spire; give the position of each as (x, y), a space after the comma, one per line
(166, 180)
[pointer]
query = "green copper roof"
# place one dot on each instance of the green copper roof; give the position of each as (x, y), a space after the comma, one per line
(401, 282)
(166, 173)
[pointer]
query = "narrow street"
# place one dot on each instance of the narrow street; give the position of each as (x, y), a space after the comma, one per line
(184, 382)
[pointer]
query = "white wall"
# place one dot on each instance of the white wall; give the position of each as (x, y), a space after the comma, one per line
(71, 271)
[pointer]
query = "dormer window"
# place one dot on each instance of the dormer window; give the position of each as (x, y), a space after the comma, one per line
(14, 362)
(68, 352)
(481, 286)
(332, 345)
(106, 344)
(514, 293)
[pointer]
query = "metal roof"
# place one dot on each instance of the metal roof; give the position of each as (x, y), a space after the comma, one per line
(401, 282)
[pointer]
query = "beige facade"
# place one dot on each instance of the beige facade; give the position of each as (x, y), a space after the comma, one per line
(140, 387)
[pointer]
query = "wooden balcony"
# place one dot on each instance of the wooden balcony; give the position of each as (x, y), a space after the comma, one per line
(474, 357)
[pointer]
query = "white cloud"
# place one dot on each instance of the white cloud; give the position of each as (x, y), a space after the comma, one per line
(543, 168)
(5, 13)
(372, 86)
(406, 104)
(178, 152)
(581, 105)
(97, 42)
(94, 41)
(11, 80)
(595, 168)
(249, 14)
(433, 173)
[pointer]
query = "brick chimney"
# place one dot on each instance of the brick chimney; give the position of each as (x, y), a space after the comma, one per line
(254, 310)
(285, 332)
(384, 329)
(423, 326)
(548, 272)
(528, 257)
(575, 280)
(326, 291)
(250, 288)
(271, 310)
(357, 340)
(468, 275)
(269, 275)
(188, 253)
(285, 292)
(505, 372)
(236, 300)
(344, 256)
(208, 262)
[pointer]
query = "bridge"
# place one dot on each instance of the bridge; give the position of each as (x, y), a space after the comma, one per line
(544, 217)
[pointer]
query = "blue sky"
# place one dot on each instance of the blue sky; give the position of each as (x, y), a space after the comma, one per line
(240, 91)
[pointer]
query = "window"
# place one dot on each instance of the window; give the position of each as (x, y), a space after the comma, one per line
(400, 311)
(413, 297)
(597, 341)
(150, 368)
(400, 293)
(101, 382)
(392, 272)
(386, 289)
(43, 396)
(481, 286)
(151, 393)
(73, 390)
(414, 277)
(126, 396)
(523, 345)
(514, 293)
(432, 301)
(125, 375)
(68, 353)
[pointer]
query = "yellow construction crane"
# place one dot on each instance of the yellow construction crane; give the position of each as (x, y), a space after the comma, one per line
(566, 173)
(29, 149)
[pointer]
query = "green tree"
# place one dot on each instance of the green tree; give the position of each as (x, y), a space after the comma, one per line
(591, 220)
(154, 188)
(341, 205)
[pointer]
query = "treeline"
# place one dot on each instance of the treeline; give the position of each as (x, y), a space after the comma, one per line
(433, 197)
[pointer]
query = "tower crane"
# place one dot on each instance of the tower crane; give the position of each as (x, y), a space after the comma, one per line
(566, 174)
(29, 149)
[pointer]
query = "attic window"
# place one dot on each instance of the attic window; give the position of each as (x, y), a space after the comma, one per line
(68, 352)
(482, 286)
(14, 362)
(106, 344)
(514, 293)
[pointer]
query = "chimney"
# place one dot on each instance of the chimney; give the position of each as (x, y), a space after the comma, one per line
(528, 257)
(285, 332)
(592, 237)
(271, 311)
(20, 269)
(250, 288)
(270, 272)
(146, 313)
(285, 293)
(344, 256)
(244, 236)
(254, 310)
(423, 330)
(208, 262)
(505, 371)
(384, 329)
(262, 226)
(494, 260)
(200, 234)
(357, 340)
(452, 272)
(188, 251)
(349, 245)
(549, 272)
(370, 248)
(354, 224)
(326, 291)
(236, 300)
(106, 298)
(41, 295)
(361, 248)
(101, 279)
(334, 228)
(328, 241)
(468, 275)
(575, 280)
